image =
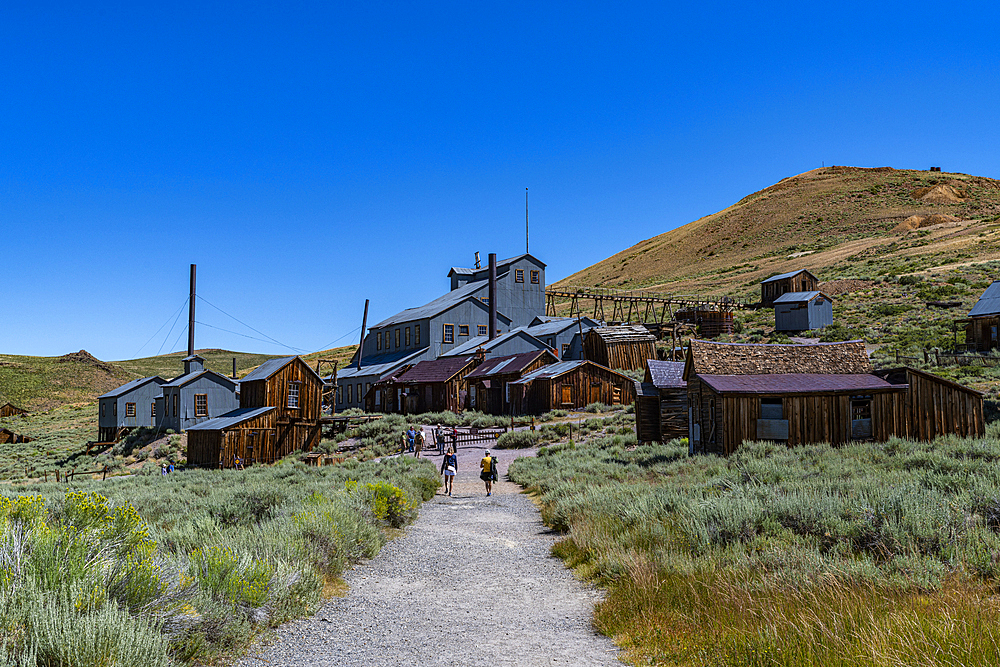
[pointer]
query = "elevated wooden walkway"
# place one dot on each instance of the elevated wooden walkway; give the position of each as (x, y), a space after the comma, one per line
(636, 306)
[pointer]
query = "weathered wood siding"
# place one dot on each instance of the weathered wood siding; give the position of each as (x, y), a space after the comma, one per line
(588, 383)
(673, 414)
(10, 410)
(647, 414)
(803, 282)
(273, 392)
(626, 355)
(493, 401)
(979, 333)
(938, 406)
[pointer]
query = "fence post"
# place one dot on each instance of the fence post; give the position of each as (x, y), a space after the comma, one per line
(926, 358)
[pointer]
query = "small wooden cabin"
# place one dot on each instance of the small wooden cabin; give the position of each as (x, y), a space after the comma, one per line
(825, 392)
(982, 325)
(802, 311)
(11, 410)
(279, 412)
(661, 402)
(784, 283)
(489, 382)
(435, 385)
(624, 347)
(570, 385)
(9, 437)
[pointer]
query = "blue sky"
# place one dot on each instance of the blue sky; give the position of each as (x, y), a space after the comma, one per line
(309, 156)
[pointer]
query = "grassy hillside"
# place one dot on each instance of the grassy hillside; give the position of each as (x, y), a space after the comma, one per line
(836, 221)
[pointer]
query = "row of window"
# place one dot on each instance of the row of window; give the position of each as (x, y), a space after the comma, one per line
(383, 338)
(200, 404)
(519, 276)
(448, 331)
(350, 392)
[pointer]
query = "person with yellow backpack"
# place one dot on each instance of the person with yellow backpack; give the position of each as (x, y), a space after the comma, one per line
(489, 473)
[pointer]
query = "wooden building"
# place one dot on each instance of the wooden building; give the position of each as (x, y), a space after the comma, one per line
(784, 283)
(279, 413)
(802, 311)
(11, 410)
(661, 411)
(710, 323)
(9, 437)
(624, 347)
(489, 383)
(435, 385)
(983, 321)
(825, 392)
(569, 385)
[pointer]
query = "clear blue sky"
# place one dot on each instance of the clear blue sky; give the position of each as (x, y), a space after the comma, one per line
(309, 156)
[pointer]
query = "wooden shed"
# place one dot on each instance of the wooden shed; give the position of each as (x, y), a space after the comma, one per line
(624, 347)
(983, 322)
(661, 411)
(793, 281)
(9, 437)
(803, 311)
(825, 392)
(279, 411)
(570, 385)
(435, 385)
(489, 382)
(11, 410)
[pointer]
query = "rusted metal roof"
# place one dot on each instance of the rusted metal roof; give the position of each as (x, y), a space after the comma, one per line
(514, 363)
(711, 358)
(790, 274)
(230, 419)
(436, 370)
(625, 333)
(797, 383)
(666, 374)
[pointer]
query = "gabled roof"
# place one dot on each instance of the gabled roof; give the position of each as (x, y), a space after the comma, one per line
(269, 368)
(513, 363)
(710, 358)
(799, 297)
(191, 377)
(441, 304)
(558, 325)
(14, 408)
(796, 383)
(134, 384)
(782, 276)
(381, 365)
(989, 302)
(230, 419)
(552, 370)
(503, 264)
(435, 370)
(476, 342)
(666, 374)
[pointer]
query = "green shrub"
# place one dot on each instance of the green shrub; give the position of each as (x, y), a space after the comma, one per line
(518, 440)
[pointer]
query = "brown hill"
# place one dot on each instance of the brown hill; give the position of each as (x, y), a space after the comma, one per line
(827, 220)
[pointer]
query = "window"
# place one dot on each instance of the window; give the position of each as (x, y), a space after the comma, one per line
(368, 388)
(484, 330)
(485, 299)
(416, 335)
(565, 349)
(406, 337)
(130, 409)
(449, 333)
(114, 409)
(152, 410)
(378, 341)
(463, 329)
(201, 405)
(535, 277)
(397, 339)
(518, 275)
(175, 405)
(361, 394)
(770, 408)
(386, 340)
(350, 392)
(552, 343)
(567, 394)
(293, 394)
(340, 393)
(104, 409)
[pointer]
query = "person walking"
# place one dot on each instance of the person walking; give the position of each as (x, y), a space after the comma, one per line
(411, 435)
(418, 442)
(449, 466)
(489, 471)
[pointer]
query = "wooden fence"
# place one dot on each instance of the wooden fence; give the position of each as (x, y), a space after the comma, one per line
(938, 358)
(445, 437)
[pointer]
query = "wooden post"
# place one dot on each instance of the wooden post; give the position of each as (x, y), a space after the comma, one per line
(105, 475)
(57, 475)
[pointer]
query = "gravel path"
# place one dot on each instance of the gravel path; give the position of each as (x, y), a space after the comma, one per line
(471, 582)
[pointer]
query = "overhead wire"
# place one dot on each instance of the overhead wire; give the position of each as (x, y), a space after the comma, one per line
(273, 340)
(237, 333)
(179, 310)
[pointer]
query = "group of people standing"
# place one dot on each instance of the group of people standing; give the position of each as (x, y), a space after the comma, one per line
(414, 440)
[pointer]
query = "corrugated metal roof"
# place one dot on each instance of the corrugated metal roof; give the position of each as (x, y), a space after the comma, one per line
(989, 302)
(551, 371)
(382, 365)
(184, 379)
(667, 374)
(267, 369)
(560, 325)
(132, 384)
(795, 383)
(798, 297)
(510, 364)
(434, 370)
(501, 264)
(782, 276)
(624, 333)
(476, 342)
(230, 419)
(440, 304)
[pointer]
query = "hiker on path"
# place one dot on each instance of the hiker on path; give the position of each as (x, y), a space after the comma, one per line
(449, 466)
(406, 439)
(411, 435)
(418, 441)
(489, 471)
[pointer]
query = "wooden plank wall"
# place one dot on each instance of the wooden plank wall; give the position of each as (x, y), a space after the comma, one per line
(647, 419)
(546, 393)
(625, 355)
(8, 410)
(978, 333)
(673, 414)
(937, 407)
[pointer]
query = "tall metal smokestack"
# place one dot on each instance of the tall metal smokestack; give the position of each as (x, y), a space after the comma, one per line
(191, 314)
(493, 295)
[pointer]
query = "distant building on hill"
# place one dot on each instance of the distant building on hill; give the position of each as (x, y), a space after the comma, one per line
(983, 320)
(793, 281)
(802, 311)
(11, 410)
